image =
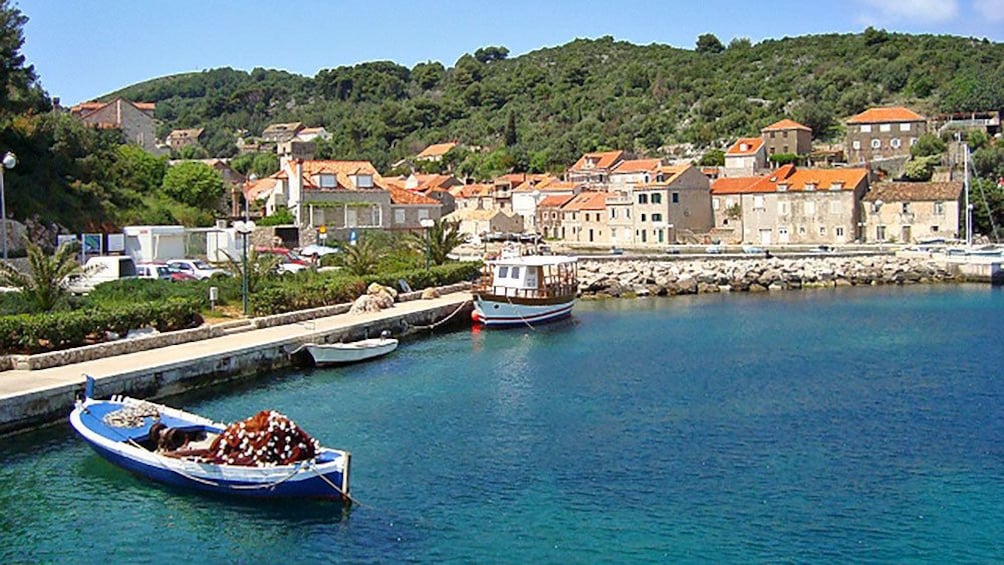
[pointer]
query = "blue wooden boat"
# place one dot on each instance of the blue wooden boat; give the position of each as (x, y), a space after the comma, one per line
(173, 447)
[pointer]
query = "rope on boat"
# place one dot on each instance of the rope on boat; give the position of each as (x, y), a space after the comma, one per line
(528, 324)
(444, 320)
(348, 497)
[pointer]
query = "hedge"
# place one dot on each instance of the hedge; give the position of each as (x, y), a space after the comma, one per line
(297, 294)
(36, 333)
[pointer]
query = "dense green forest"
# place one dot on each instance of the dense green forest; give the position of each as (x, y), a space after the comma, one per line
(535, 112)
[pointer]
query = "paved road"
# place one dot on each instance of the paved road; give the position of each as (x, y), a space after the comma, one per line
(18, 382)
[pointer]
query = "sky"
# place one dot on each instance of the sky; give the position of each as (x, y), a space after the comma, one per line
(83, 49)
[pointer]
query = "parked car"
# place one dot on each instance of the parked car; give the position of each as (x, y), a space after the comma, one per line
(153, 271)
(713, 249)
(292, 262)
(101, 269)
(160, 270)
(196, 268)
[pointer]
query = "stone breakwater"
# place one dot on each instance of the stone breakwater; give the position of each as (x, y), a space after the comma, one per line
(698, 276)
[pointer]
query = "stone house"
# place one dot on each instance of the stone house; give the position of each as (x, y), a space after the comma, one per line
(528, 195)
(183, 138)
(134, 119)
(745, 157)
(882, 133)
(409, 208)
(278, 133)
(436, 151)
(548, 215)
(787, 137)
(796, 206)
(676, 200)
(584, 219)
(630, 172)
(476, 196)
(478, 221)
(594, 168)
(907, 212)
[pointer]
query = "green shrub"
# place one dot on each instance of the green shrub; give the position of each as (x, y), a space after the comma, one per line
(52, 331)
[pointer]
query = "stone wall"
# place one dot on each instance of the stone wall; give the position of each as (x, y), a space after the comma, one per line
(699, 276)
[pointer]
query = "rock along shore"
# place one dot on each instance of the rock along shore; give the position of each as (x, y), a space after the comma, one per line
(633, 277)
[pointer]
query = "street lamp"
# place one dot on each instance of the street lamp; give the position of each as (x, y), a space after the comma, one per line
(427, 223)
(251, 180)
(244, 228)
(9, 161)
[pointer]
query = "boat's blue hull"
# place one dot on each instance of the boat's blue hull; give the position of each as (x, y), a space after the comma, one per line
(314, 487)
(324, 476)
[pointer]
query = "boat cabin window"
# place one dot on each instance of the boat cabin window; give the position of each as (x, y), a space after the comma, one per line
(514, 273)
(503, 271)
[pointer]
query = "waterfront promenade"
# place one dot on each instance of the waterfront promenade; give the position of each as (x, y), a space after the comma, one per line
(33, 397)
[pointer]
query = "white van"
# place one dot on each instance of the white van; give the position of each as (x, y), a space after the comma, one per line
(99, 270)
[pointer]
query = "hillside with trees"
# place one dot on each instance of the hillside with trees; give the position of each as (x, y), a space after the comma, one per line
(536, 112)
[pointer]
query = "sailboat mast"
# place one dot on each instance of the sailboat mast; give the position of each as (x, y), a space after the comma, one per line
(969, 210)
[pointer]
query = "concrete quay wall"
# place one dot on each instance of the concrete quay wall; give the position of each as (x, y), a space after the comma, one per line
(31, 398)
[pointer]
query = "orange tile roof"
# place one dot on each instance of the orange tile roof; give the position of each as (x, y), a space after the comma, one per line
(604, 160)
(261, 187)
(786, 124)
(471, 190)
(824, 178)
(733, 185)
(884, 115)
(314, 167)
(588, 201)
(555, 201)
(558, 186)
(637, 165)
(437, 149)
(745, 146)
(402, 196)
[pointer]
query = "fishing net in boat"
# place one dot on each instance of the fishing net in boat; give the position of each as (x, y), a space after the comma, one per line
(130, 416)
(267, 438)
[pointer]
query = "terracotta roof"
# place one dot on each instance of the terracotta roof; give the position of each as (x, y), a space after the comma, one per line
(588, 201)
(402, 196)
(261, 187)
(734, 185)
(745, 146)
(475, 214)
(471, 190)
(637, 165)
(786, 124)
(558, 186)
(885, 115)
(555, 201)
(914, 191)
(824, 179)
(397, 182)
(602, 160)
(437, 149)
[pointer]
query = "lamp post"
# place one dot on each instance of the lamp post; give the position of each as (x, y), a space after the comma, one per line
(251, 180)
(9, 161)
(427, 223)
(244, 228)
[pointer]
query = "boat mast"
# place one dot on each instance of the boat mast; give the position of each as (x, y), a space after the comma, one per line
(969, 209)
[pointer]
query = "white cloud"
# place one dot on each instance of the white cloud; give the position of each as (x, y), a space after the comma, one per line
(992, 10)
(928, 11)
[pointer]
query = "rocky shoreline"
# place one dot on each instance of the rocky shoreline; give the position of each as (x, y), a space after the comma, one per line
(632, 277)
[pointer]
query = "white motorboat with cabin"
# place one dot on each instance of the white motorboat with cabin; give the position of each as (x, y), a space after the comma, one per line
(525, 289)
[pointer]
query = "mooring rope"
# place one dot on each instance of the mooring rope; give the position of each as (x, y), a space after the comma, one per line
(444, 320)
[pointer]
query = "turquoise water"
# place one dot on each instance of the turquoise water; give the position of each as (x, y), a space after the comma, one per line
(861, 425)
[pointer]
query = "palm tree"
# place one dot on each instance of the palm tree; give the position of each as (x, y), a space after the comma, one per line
(443, 237)
(362, 258)
(44, 284)
(260, 267)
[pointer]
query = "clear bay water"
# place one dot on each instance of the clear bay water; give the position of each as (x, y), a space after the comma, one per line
(857, 425)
